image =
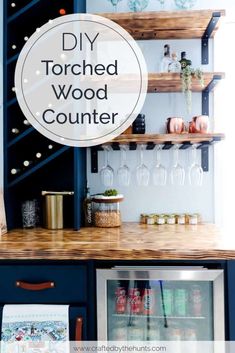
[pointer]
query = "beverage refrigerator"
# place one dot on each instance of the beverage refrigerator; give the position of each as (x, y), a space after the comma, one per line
(160, 304)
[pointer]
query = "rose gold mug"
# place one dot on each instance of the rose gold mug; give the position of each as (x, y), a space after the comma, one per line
(175, 125)
(200, 124)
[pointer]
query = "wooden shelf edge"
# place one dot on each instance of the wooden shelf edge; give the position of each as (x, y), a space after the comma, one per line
(171, 82)
(162, 138)
(166, 24)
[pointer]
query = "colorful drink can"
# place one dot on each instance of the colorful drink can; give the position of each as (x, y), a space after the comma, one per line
(120, 302)
(196, 300)
(181, 301)
(134, 301)
(168, 301)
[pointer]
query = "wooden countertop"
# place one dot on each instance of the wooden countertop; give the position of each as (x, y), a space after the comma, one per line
(130, 242)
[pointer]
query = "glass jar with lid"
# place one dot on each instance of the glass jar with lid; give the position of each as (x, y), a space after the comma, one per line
(106, 212)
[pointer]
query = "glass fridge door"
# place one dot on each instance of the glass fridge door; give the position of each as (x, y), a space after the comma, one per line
(160, 305)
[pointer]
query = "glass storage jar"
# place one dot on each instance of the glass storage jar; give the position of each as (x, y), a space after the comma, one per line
(107, 211)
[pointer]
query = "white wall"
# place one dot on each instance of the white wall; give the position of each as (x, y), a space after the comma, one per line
(157, 108)
(154, 5)
(1, 97)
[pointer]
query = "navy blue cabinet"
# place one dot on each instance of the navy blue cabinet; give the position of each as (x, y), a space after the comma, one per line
(64, 284)
(231, 298)
(21, 141)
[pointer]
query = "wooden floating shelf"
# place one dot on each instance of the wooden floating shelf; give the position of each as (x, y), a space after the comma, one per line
(165, 24)
(171, 82)
(167, 138)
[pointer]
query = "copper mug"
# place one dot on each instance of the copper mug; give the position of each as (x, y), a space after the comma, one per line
(175, 125)
(199, 124)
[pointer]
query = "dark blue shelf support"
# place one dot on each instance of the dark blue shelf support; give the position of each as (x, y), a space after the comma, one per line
(13, 58)
(150, 146)
(207, 34)
(38, 166)
(22, 10)
(80, 182)
(20, 137)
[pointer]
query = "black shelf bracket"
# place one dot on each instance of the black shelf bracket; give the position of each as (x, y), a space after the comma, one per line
(205, 111)
(207, 34)
(94, 159)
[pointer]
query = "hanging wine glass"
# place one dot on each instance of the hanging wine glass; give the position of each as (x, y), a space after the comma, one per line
(195, 170)
(159, 171)
(137, 5)
(142, 171)
(114, 3)
(177, 171)
(106, 172)
(123, 172)
(185, 4)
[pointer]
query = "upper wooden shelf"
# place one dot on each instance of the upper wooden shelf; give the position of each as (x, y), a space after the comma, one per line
(171, 82)
(168, 25)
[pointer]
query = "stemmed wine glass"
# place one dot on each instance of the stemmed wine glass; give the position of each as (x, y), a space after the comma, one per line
(159, 171)
(137, 5)
(114, 3)
(123, 172)
(195, 170)
(142, 171)
(177, 171)
(106, 172)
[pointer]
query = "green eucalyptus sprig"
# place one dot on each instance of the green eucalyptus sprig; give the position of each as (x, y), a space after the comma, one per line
(187, 74)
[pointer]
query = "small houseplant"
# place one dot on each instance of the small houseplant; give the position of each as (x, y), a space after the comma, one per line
(187, 74)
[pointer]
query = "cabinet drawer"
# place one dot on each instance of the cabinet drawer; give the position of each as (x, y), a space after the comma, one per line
(70, 284)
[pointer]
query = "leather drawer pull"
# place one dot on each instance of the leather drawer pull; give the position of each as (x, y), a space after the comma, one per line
(78, 333)
(35, 286)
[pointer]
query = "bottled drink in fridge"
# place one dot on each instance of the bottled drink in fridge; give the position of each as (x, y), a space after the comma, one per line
(120, 300)
(135, 331)
(148, 302)
(196, 300)
(167, 304)
(119, 331)
(181, 301)
(153, 332)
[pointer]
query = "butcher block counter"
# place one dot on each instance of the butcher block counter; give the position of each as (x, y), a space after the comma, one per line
(130, 242)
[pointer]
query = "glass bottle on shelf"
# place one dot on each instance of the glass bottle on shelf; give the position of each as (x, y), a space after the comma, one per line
(166, 60)
(15, 131)
(88, 208)
(15, 171)
(183, 61)
(174, 65)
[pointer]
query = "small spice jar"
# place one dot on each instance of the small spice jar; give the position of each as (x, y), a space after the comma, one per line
(161, 219)
(181, 219)
(143, 218)
(170, 219)
(193, 219)
(151, 219)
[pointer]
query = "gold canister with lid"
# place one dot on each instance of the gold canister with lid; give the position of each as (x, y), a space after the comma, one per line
(53, 209)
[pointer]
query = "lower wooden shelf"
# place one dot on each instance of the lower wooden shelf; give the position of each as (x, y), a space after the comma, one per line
(167, 138)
